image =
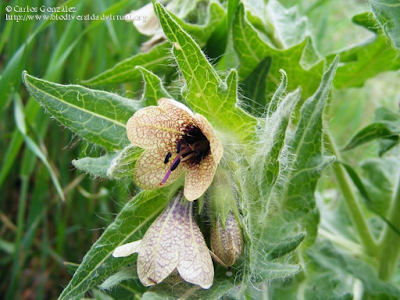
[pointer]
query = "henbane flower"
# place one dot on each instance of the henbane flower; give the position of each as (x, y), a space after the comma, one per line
(176, 140)
(172, 242)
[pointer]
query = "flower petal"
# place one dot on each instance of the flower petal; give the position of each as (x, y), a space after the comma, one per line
(195, 263)
(150, 169)
(175, 106)
(127, 249)
(145, 20)
(215, 144)
(159, 254)
(158, 126)
(199, 177)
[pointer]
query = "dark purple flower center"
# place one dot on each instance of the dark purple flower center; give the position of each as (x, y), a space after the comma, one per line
(193, 147)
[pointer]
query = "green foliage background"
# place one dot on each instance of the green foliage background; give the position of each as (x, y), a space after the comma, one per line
(40, 160)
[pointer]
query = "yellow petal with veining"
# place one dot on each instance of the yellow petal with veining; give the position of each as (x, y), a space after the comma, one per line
(150, 169)
(157, 126)
(199, 177)
(159, 254)
(195, 263)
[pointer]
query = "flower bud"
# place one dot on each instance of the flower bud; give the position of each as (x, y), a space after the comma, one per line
(226, 235)
(227, 243)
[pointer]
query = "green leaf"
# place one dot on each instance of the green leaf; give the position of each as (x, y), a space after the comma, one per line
(130, 224)
(379, 176)
(124, 162)
(387, 127)
(285, 246)
(277, 97)
(252, 49)
(372, 132)
(254, 87)
(156, 60)
(113, 165)
(289, 29)
(98, 117)
(205, 91)
(125, 274)
(388, 14)
(201, 33)
(330, 256)
(95, 166)
(364, 193)
(270, 271)
(365, 60)
(300, 175)
(98, 295)
(273, 138)
(153, 88)
(182, 290)
(288, 164)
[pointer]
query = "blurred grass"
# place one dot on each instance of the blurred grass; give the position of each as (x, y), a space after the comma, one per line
(38, 232)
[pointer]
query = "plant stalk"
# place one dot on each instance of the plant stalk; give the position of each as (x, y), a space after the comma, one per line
(390, 245)
(350, 198)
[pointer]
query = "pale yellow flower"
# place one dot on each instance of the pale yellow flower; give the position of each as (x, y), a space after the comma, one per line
(176, 141)
(172, 242)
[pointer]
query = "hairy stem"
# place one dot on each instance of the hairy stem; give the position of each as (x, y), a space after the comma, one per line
(390, 245)
(350, 198)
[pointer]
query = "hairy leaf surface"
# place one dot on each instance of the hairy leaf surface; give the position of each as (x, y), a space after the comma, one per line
(98, 117)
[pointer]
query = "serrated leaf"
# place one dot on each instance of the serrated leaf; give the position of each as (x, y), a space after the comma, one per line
(98, 117)
(296, 192)
(252, 49)
(363, 61)
(205, 91)
(387, 126)
(388, 14)
(254, 88)
(202, 32)
(273, 138)
(124, 162)
(153, 88)
(156, 60)
(130, 224)
(290, 162)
